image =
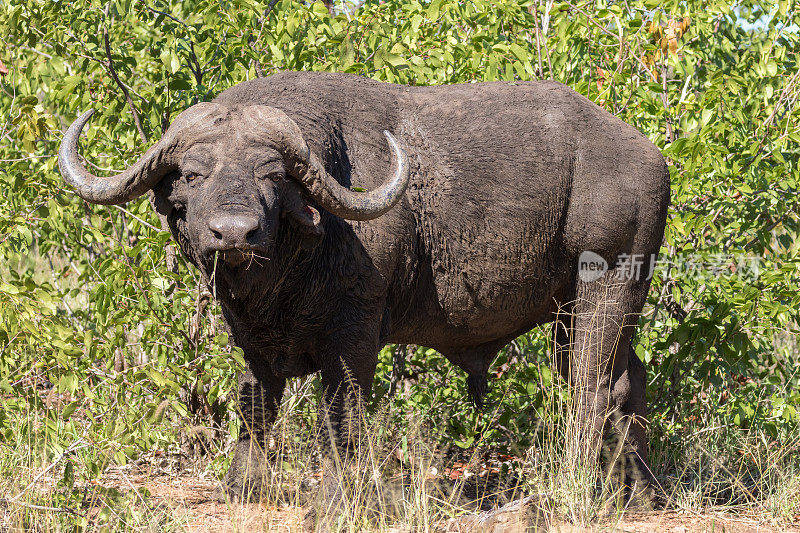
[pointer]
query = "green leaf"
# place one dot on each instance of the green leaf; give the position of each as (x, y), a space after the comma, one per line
(395, 60)
(772, 68)
(9, 289)
(318, 8)
(434, 8)
(519, 52)
(69, 409)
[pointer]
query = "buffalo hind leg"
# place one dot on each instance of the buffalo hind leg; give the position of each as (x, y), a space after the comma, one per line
(260, 394)
(609, 379)
(629, 391)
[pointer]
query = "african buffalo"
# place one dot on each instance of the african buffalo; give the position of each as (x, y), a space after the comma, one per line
(479, 204)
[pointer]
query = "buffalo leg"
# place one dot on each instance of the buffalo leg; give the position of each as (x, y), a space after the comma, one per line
(562, 341)
(345, 391)
(260, 394)
(629, 391)
(609, 379)
(346, 387)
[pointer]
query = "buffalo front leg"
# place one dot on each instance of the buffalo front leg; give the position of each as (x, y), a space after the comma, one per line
(609, 379)
(260, 394)
(346, 385)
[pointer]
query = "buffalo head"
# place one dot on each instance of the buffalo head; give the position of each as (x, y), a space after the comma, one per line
(226, 178)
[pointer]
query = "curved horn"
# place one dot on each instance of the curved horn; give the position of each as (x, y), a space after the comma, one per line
(157, 162)
(125, 186)
(321, 186)
(352, 205)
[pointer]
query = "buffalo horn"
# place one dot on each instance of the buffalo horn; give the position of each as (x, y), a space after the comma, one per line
(322, 187)
(157, 162)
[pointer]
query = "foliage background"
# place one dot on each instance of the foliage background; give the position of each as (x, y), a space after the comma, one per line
(106, 337)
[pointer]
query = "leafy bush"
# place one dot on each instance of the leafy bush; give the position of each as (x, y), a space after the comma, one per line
(108, 342)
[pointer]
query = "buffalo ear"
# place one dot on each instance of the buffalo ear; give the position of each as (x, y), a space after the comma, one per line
(308, 222)
(168, 193)
(162, 205)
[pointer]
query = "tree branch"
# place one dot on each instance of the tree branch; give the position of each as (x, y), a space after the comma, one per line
(535, 12)
(195, 68)
(113, 72)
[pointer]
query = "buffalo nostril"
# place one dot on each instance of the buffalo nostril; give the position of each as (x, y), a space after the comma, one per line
(251, 234)
(217, 235)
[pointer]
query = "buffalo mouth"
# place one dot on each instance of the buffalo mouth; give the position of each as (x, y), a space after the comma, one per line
(235, 258)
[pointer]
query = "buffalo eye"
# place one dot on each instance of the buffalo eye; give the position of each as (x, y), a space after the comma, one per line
(275, 175)
(271, 170)
(191, 176)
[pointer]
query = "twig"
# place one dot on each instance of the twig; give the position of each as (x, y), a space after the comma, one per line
(72, 447)
(670, 132)
(607, 32)
(179, 21)
(766, 124)
(269, 8)
(263, 20)
(535, 10)
(544, 41)
(144, 223)
(196, 69)
(113, 72)
(27, 158)
(712, 428)
(10, 501)
(768, 229)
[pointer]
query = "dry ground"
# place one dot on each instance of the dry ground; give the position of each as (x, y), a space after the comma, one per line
(192, 504)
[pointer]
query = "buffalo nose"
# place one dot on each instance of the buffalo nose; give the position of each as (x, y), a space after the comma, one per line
(232, 231)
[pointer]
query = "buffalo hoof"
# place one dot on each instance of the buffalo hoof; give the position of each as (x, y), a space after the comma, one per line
(640, 486)
(643, 497)
(518, 515)
(369, 498)
(246, 478)
(326, 506)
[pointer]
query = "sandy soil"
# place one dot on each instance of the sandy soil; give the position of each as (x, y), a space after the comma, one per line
(193, 506)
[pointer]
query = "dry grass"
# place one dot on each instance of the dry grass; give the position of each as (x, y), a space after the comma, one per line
(403, 479)
(398, 484)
